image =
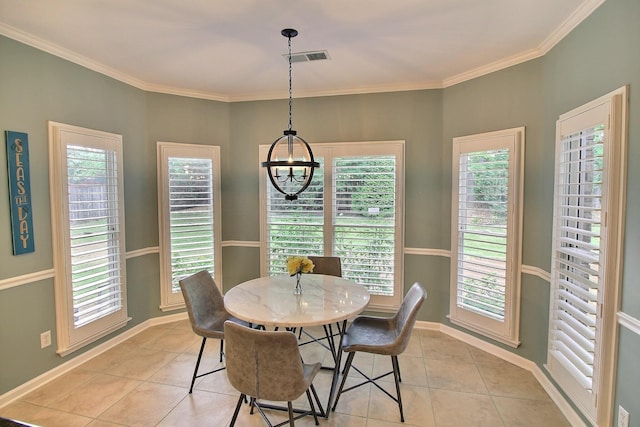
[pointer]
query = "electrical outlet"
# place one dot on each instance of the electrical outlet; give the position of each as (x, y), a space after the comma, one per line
(45, 339)
(623, 417)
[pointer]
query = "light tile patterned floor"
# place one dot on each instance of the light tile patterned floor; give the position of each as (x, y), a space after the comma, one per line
(144, 382)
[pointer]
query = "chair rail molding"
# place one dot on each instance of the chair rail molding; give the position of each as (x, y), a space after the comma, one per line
(36, 276)
(428, 252)
(10, 282)
(629, 322)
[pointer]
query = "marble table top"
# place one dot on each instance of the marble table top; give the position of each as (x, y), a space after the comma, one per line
(270, 301)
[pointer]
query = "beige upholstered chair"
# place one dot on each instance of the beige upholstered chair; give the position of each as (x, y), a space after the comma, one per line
(207, 314)
(267, 365)
(329, 265)
(385, 336)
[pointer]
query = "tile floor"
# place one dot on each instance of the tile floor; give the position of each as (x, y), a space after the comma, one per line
(144, 382)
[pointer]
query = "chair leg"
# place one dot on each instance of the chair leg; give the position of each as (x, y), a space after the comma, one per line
(345, 372)
(221, 349)
(195, 371)
(235, 413)
(396, 374)
(313, 409)
(290, 407)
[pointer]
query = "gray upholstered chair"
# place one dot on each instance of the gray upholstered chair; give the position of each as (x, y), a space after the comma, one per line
(382, 335)
(205, 306)
(329, 265)
(267, 365)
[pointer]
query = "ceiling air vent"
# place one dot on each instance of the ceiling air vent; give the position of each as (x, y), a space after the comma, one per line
(316, 55)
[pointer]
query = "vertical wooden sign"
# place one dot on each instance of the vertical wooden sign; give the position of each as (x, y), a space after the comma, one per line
(20, 192)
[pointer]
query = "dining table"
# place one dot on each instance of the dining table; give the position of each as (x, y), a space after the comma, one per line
(270, 301)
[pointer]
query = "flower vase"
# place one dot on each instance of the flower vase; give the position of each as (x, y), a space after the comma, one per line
(298, 289)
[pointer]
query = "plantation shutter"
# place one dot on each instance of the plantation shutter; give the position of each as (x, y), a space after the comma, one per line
(188, 214)
(486, 248)
(352, 210)
(482, 232)
(295, 227)
(87, 220)
(94, 232)
(364, 216)
(587, 252)
(576, 256)
(578, 268)
(191, 219)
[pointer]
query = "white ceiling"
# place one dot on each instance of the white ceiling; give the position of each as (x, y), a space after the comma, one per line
(232, 50)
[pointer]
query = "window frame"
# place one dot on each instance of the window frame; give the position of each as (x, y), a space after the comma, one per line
(70, 338)
(598, 405)
(507, 331)
(170, 300)
(326, 152)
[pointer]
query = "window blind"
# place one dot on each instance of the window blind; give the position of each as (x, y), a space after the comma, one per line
(576, 257)
(364, 209)
(482, 232)
(94, 233)
(191, 219)
(295, 227)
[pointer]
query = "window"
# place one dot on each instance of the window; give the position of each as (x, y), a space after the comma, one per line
(587, 252)
(486, 233)
(88, 226)
(189, 212)
(352, 209)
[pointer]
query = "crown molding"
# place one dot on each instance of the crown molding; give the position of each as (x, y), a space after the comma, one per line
(580, 14)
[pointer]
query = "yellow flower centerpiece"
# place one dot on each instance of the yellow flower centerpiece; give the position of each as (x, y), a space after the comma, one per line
(296, 265)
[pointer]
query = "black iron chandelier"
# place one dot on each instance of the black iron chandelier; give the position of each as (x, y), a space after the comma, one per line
(293, 175)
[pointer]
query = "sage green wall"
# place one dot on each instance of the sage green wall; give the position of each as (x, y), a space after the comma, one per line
(36, 87)
(415, 117)
(507, 99)
(601, 55)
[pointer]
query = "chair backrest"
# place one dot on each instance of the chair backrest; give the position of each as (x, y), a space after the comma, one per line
(329, 265)
(264, 364)
(203, 299)
(406, 316)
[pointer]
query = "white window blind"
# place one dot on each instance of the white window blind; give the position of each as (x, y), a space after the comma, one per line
(587, 252)
(191, 219)
(295, 227)
(576, 258)
(189, 208)
(486, 233)
(94, 231)
(482, 232)
(352, 209)
(87, 205)
(364, 220)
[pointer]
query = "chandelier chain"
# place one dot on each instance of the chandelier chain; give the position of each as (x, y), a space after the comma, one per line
(290, 91)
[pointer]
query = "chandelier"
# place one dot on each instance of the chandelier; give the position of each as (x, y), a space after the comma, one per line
(292, 175)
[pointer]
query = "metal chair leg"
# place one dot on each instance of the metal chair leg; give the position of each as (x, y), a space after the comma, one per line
(195, 371)
(313, 409)
(396, 374)
(290, 407)
(221, 349)
(345, 372)
(235, 413)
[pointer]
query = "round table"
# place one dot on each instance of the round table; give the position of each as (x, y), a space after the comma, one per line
(270, 301)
